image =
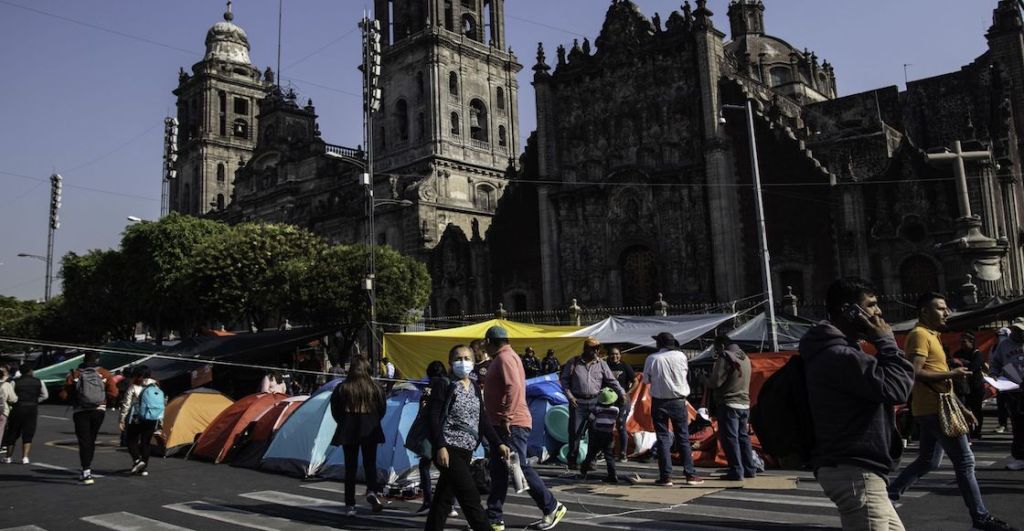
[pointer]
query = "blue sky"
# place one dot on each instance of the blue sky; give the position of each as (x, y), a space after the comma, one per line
(86, 84)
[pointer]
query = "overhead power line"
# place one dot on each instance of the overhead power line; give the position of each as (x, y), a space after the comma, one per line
(80, 187)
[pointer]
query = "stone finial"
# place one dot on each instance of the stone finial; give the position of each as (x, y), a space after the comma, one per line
(660, 306)
(501, 312)
(790, 302)
(542, 65)
(268, 75)
(560, 51)
(574, 313)
(228, 15)
(586, 46)
(969, 291)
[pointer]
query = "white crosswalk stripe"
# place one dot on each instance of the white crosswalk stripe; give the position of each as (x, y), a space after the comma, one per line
(23, 528)
(242, 518)
(123, 521)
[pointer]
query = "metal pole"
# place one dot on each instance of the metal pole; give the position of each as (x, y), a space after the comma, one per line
(52, 226)
(371, 264)
(762, 233)
(49, 264)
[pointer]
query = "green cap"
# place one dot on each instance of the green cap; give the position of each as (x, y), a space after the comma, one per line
(607, 396)
(496, 332)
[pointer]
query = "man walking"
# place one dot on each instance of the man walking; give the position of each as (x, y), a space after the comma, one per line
(730, 383)
(504, 390)
(627, 379)
(852, 395)
(582, 379)
(932, 376)
(666, 371)
(89, 387)
(1008, 361)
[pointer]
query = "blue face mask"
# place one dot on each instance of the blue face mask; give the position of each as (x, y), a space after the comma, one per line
(462, 368)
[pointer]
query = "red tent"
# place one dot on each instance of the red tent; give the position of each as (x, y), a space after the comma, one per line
(220, 435)
(254, 440)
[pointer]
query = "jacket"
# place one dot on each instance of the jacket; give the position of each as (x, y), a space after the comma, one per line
(357, 428)
(132, 396)
(439, 389)
(7, 398)
(730, 378)
(29, 391)
(110, 387)
(852, 396)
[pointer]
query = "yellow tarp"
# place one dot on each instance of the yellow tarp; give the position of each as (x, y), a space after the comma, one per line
(413, 351)
(190, 414)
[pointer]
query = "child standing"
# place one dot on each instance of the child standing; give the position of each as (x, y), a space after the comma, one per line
(602, 425)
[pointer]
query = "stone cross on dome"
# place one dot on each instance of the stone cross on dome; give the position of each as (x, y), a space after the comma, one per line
(228, 15)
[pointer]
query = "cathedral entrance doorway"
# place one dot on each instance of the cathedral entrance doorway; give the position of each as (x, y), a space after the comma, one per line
(639, 276)
(919, 275)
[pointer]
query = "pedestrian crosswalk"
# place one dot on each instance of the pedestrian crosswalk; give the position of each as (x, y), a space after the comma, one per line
(319, 506)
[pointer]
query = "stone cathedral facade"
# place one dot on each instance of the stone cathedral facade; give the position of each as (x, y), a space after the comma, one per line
(638, 178)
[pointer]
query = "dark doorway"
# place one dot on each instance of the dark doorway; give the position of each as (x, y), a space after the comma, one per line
(639, 276)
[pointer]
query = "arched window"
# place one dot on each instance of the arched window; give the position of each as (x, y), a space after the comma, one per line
(781, 75)
(419, 83)
(240, 128)
(469, 26)
(456, 129)
(499, 100)
(402, 118)
(502, 136)
(485, 197)
(478, 120)
(220, 201)
(453, 84)
(220, 173)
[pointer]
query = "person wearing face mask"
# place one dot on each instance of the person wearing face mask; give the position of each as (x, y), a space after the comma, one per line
(458, 420)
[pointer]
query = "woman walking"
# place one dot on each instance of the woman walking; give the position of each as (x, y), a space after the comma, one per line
(457, 422)
(22, 421)
(436, 370)
(358, 405)
(7, 399)
(139, 430)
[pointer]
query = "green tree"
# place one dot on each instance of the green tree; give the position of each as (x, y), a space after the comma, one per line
(15, 319)
(330, 290)
(243, 272)
(158, 258)
(97, 302)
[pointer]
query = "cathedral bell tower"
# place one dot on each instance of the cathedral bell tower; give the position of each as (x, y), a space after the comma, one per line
(217, 108)
(746, 17)
(449, 116)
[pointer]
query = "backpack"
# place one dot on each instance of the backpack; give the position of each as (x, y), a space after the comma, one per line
(782, 417)
(89, 391)
(151, 403)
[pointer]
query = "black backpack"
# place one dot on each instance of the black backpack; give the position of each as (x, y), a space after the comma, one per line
(782, 417)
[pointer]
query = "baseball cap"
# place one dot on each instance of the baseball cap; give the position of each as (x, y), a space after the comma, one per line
(496, 332)
(666, 339)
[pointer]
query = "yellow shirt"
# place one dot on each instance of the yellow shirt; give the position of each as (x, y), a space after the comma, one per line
(924, 342)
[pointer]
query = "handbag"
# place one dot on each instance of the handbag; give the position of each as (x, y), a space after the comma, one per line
(954, 418)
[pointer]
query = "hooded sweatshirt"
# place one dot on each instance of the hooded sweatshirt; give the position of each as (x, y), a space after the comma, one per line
(852, 395)
(730, 378)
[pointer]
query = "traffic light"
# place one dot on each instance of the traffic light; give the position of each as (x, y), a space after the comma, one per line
(55, 197)
(170, 147)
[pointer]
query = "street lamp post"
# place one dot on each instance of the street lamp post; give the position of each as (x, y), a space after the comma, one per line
(371, 68)
(766, 268)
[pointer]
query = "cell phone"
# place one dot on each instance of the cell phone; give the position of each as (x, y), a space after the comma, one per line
(854, 312)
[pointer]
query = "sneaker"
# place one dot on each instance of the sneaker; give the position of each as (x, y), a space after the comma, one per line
(664, 482)
(374, 502)
(8, 460)
(425, 508)
(137, 467)
(693, 480)
(1001, 429)
(497, 526)
(24, 461)
(87, 479)
(350, 510)
(551, 519)
(623, 458)
(453, 514)
(1016, 465)
(144, 473)
(991, 523)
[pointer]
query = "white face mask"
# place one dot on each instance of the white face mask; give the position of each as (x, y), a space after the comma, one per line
(462, 368)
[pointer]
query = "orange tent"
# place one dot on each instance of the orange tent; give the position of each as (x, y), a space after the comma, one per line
(219, 436)
(255, 439)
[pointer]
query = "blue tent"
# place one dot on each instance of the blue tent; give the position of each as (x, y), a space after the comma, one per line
(301, 446)
(395, 464)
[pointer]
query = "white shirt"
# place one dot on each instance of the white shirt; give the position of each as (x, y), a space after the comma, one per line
(665, 371)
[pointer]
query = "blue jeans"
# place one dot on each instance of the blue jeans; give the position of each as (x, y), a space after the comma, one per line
(732, 427)
(620, 424)
(516, 441)
(933, 443)
(662, 412)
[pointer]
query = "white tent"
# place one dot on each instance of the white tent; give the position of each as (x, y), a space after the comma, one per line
(640, 330)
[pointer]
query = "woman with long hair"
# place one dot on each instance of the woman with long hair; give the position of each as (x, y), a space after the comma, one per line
(138, 431)
(457, 422)
(358, 405)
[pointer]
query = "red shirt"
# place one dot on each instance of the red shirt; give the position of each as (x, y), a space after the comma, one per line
(505, 390)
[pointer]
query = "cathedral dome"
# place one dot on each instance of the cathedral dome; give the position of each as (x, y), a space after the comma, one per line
(227, 42)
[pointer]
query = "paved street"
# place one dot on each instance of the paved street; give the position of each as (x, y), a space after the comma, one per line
(182, 494)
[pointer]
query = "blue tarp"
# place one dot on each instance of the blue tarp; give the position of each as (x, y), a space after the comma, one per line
(542, 393)
(300, 447)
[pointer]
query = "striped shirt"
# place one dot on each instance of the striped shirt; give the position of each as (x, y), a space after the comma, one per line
(603, 418)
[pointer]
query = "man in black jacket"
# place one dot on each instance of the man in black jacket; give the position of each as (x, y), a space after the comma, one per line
(852, 395)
